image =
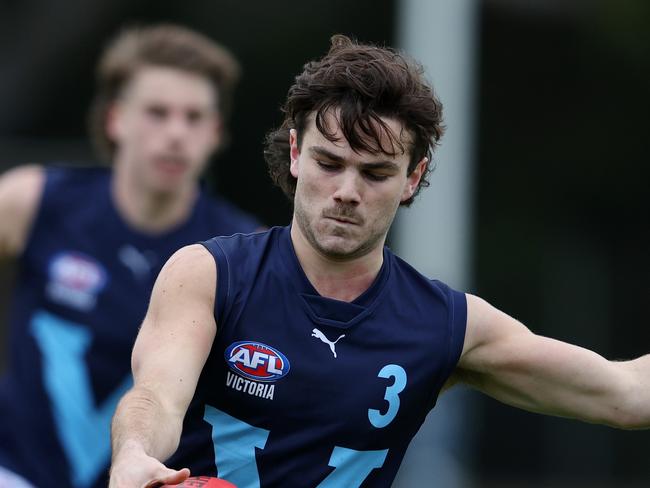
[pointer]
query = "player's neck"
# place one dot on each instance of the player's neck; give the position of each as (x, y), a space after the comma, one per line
(341, 280)
(148, 211)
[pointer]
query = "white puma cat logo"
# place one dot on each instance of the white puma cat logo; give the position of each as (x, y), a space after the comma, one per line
(140, 263)
(321, 336)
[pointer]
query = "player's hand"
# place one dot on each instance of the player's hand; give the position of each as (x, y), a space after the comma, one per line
(169, 477)
(133, 468)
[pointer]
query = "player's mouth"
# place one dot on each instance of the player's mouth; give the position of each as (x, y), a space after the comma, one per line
(343, 220)
(171, 165)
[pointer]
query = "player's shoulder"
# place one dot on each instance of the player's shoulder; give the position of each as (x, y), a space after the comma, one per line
(66, 175)
(189, 258)
(191, 266)
(244, 242)
(22, 180)
(20, 193)
(407, 277)
(246, 253)
(65, 186)
(21, 187)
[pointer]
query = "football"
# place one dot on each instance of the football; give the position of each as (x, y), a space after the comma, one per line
(202, 482)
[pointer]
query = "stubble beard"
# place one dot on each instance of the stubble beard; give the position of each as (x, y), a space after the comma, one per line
(334, 253)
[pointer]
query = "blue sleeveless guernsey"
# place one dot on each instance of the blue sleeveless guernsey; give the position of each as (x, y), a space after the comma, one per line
(83, 287)
(300, 390)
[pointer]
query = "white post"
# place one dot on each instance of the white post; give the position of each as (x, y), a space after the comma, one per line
(435, 235)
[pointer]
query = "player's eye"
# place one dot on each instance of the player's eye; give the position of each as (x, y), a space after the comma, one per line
(194, 116)
(327, 166)
(375, 176)
(156, 112)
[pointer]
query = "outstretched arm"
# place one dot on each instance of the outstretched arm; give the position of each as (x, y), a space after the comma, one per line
(169, 354)
(504, 359)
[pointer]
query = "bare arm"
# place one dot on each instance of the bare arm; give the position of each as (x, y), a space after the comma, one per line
(504, 359)
(169, 354)
(20, 193)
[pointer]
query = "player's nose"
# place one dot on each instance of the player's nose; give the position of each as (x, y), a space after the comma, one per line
(349, 188)
(177, 127)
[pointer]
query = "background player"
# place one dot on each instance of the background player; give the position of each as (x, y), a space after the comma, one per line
(91, 241)
(280, 406)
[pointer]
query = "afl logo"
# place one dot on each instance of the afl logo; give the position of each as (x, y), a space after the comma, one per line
(77, 271)
(75, 280)
(257, 361)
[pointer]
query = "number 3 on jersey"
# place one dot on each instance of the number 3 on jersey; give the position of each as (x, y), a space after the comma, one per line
(377, 418)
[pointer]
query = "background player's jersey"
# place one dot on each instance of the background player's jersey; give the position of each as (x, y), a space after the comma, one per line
(300, 390)
(84, 283)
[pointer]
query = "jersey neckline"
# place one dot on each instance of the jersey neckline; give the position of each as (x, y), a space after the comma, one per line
(315, 303)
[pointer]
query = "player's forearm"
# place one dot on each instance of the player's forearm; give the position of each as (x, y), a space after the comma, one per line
(142, 422)
(554, 378)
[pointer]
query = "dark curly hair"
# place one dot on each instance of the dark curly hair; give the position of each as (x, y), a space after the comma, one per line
(364, 83)
(161, 45)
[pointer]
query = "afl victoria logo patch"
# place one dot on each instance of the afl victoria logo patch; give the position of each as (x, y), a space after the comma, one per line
(75, 279)
(256, 361)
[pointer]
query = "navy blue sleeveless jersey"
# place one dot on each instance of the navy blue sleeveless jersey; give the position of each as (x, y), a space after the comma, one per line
(83, 287)
(301, 390)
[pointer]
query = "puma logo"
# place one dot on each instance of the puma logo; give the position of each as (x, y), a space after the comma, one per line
(317, 333)
(140, 263)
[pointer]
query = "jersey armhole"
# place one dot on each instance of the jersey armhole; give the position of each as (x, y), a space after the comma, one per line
(456, 326)
(41, 214)
(221, 300)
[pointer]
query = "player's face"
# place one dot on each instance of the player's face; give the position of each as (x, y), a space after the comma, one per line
(165, 127)
(345, 201)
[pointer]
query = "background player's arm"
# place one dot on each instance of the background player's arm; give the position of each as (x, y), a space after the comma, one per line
(504, 359)
(20, 193)
(170, 351)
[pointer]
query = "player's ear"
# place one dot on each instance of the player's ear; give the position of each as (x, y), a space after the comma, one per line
(413, 180)
(294, 152)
